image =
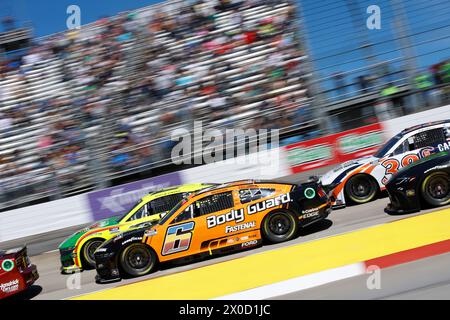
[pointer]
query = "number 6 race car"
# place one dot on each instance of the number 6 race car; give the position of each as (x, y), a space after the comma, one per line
(423, 183)
(361, 180)
(223, 218)
(77, 252)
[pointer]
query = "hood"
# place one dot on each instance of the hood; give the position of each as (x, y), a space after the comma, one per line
(132, 235)
(72, 240)
(329, 177)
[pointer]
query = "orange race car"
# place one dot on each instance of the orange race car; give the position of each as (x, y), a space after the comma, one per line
(232, 216)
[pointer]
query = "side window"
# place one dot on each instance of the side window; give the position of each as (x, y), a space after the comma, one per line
(143, 212)
(213, 203)
(164, 204)
(248, 195)
(185, 215)
(428, 138)
(404, 147)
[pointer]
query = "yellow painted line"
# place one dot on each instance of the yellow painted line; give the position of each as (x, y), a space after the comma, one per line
(289, 262)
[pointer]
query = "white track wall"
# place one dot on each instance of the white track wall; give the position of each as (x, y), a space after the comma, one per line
(45, 217)
(394, 126)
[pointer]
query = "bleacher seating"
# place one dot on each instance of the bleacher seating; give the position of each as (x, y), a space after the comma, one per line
(105, 98)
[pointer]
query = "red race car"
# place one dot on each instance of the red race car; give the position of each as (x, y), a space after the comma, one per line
(16, 271)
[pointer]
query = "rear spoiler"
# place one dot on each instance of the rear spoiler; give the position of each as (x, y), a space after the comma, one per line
(13, 251)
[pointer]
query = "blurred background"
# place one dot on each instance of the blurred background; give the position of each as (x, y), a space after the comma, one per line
(95, 107)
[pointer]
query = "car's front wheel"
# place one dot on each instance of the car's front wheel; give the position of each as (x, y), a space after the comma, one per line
(436, 189)
(361, 188)
(137, 260)
(88, 252)
(279, 226)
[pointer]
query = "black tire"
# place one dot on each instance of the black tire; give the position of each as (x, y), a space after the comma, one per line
(88, 252)
(137, 260)
(436, 189)
(361, 188)
(279, 226)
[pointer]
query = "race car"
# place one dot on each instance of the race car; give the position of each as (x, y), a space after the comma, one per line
(16, 271)
(233, 216)
(77, 251)
(361, 180)
(425, 183)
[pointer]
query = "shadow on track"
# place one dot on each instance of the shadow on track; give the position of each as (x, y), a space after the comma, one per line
(28, 294)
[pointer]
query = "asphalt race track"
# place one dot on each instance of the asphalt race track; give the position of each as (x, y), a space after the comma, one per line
(426, 278)
(422, 279)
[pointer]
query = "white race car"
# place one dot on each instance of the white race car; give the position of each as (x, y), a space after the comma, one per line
(361, 180)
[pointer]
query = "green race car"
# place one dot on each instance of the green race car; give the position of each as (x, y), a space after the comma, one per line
(77, 251)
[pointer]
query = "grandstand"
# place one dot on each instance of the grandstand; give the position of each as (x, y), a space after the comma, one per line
(86, 106)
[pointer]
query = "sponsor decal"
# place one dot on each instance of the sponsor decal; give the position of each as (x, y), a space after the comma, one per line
(114, 230)
(303, 155)
(239, 227)
(443, 146)
(131, 240)
(309, 193)
(250, 243)
(150, 233)
(354, 142)
(9, 287)
(269, 203)
(233, 215)
(232, 240)
(310, 215)
(310, 210)
(8, 265)
(336, 148)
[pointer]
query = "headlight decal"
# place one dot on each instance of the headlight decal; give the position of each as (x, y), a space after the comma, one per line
(8, 265)
(310, 193)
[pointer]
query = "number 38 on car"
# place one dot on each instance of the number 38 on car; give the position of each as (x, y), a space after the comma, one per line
(232, 216)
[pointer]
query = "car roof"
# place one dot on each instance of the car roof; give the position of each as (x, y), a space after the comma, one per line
(176, 189)
(425, 125)
(239, 183)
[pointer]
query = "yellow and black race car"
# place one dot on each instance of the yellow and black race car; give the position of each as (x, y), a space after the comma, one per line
(77, 251)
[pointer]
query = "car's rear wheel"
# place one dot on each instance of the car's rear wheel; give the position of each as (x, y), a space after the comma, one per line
(436, 189)
(137, 260)
(361, 188)
(279, 226)
(88, 252)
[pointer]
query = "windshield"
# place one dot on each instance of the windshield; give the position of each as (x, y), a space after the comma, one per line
(171, 212)
(134, 206)
(387, 146)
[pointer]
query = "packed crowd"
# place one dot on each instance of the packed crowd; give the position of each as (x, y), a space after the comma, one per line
(112, 92)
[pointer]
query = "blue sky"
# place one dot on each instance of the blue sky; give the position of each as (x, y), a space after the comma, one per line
(331, 28)
(49, 16)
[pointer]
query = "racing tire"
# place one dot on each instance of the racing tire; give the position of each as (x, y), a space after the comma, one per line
(279, 226)
(436, 189)
(361, 188)
(137, 260)
(88, 252)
